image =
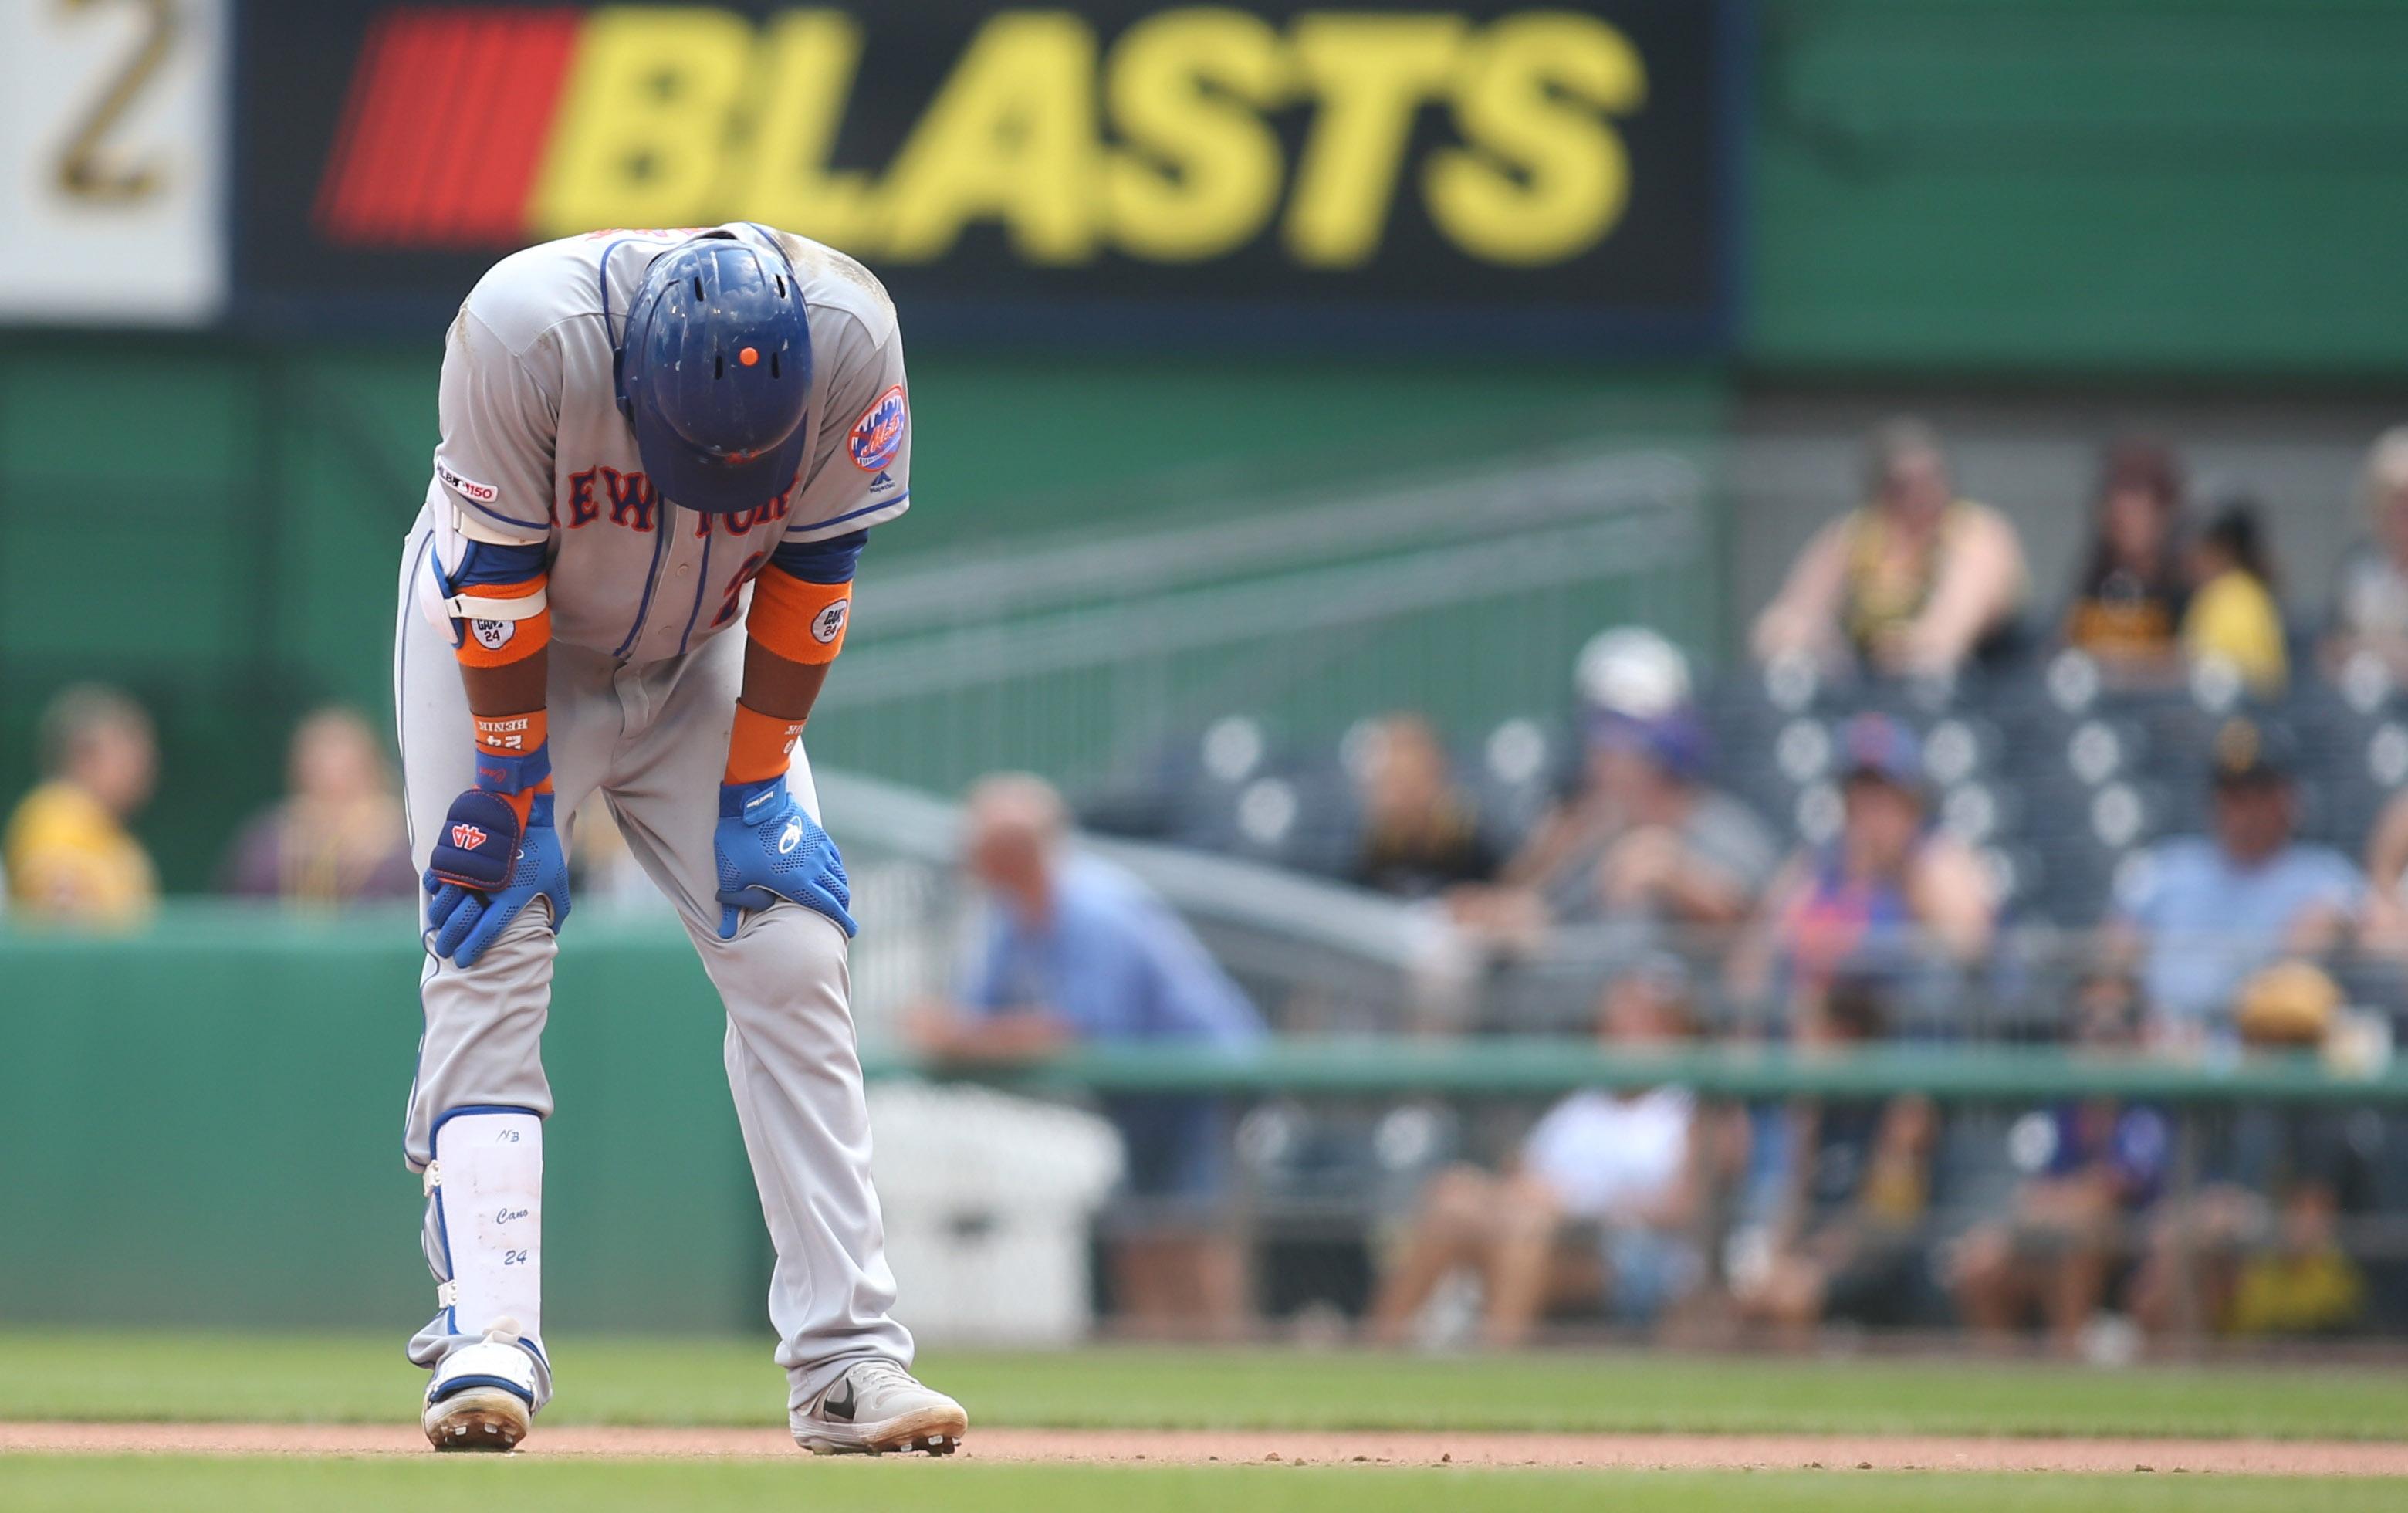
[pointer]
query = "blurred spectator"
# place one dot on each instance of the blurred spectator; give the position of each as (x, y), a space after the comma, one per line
(68, 854)
(2092, 1170)
(1848, 1239)
(1422, 831)
(2127, 606)
(1600, 1205)
(2370, 606)
(1688, 854)
(1645, 837)
(337, 836)
(1072, 948)
(2234, 616)
(2384, 925)
(2202, 913)
(1915, 581)
(2259, 1249)
(1889, 898)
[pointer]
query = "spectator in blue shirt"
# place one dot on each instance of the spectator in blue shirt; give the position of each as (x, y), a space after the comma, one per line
(2204, 912)
(2091, 1169)
(1070, 948)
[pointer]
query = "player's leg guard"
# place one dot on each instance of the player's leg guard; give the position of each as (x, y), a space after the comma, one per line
(484, 1239)
(485, 1220)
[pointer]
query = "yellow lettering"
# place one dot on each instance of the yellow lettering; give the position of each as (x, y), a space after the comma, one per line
(1203, 174)
(1012, 137)
(1545, 176)
(640, 138)
(806, 81)
(1372, 72)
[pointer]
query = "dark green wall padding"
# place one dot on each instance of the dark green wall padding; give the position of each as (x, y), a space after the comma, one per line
(204, 1126)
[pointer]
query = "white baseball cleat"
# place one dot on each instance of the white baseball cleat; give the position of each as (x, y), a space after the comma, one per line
(874, 1407)
(483, 1394)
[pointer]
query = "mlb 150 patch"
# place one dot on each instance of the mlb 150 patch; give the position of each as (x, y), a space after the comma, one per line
(467, 488)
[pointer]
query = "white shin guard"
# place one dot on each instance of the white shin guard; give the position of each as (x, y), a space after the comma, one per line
(484, 1202)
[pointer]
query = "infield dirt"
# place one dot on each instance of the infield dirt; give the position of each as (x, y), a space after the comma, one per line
(1368, 1449)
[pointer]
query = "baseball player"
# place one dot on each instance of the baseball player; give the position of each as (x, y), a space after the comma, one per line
(662, 454)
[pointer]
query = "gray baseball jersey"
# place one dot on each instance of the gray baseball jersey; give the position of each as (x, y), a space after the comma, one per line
(535, 448)
(641, 695)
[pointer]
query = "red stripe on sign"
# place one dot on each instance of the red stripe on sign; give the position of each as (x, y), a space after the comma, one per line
(376, 126)
(377, 179)
(445, 125)
(452, 137)
(492, 206)
(445, 122)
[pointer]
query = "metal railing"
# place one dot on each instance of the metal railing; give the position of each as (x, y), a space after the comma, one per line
(1465, 595)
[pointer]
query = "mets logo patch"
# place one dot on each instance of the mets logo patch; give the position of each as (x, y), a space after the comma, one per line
(877, 435)
(468, 837)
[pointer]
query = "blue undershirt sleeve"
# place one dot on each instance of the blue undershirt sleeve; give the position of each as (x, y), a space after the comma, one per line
(831, 561)
(491, 562)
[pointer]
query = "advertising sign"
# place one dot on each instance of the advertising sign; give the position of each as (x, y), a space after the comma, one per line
(1259, 171)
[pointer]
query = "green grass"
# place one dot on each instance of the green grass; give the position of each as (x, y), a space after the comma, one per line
(129, 1376)
(76, 1484)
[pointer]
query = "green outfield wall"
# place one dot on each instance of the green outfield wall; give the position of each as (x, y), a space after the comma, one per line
(2179, 188)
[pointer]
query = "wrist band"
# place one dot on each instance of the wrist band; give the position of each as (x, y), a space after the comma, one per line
(761, 746)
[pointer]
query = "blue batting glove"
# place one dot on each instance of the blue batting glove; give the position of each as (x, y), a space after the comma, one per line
(485, 871)
(770, 849)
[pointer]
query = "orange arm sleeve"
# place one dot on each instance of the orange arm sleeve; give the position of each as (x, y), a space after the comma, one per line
(500, 642)
(799, 620)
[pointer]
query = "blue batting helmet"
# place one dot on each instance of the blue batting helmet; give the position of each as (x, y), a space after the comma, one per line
(714, 373)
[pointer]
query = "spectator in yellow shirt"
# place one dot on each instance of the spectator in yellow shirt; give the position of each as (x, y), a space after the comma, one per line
(1914, 580)
(2234, 616)
(69, 857)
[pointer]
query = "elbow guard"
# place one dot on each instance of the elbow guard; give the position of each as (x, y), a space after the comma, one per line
(802, 622)
(496, 600)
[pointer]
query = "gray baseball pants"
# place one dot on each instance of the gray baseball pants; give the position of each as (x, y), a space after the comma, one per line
(652, 739)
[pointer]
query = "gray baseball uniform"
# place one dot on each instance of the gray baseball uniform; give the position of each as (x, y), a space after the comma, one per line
(647, 602)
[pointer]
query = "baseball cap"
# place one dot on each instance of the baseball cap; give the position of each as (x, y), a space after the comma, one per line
(1675, 740)
(2288, 1003)
(2247, 754)
(1879, 746)
(1633, 670)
